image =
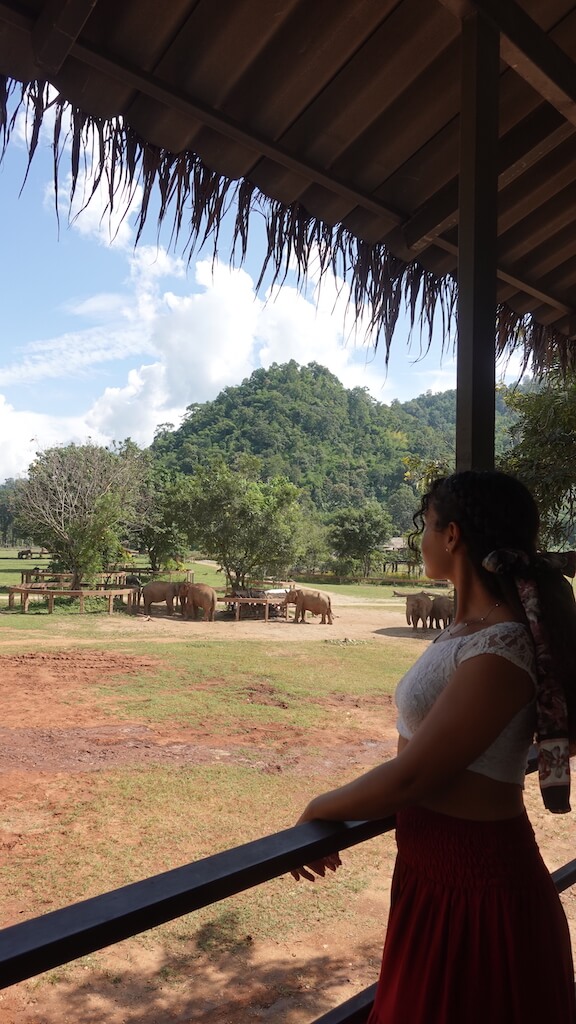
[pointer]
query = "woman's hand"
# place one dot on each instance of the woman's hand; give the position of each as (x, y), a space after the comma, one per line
(317, 867)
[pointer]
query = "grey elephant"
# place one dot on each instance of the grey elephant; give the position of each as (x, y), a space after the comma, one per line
(442, 612)
(195, 596)
(313, 601)
(157, 592)
(418, 609)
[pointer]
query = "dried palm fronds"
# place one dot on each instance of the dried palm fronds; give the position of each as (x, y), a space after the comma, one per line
(180, 187)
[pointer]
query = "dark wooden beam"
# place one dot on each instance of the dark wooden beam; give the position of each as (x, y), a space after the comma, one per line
(150, 85)
(58, 26)
(523, 146)
(476, 349)
(37, 945)
(425, 224)
(529, 50)
(516, 283)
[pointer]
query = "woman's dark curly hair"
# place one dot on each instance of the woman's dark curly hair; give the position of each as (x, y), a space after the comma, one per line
(494, 510)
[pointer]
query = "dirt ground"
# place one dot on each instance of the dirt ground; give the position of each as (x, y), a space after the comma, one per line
(282, 981)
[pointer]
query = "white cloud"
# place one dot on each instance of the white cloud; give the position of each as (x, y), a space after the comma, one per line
(89, 210)
(101, 306)
(203, 335)
(162, 336)
(25, 433)
(136, 409)
(73, 354)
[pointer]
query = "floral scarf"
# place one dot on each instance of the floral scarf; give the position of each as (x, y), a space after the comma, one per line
(551, 710)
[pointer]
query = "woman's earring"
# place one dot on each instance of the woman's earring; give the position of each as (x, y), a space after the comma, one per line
(447, 551)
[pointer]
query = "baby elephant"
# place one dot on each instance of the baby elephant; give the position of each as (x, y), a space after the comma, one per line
(418, 608)
(442, 612)
(310, 601)
(194, 596)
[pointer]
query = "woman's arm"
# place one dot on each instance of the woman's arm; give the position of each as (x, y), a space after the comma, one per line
(482, 697)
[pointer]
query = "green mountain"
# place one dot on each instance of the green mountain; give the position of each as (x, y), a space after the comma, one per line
(340, 446)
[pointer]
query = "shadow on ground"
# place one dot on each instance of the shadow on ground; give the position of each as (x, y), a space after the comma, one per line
(408, 633)
(216, 977)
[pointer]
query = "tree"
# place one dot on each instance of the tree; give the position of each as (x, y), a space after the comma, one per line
(158, 528)
(543, 452)
(402, 505)
(248, 526)
(7, 510)
(358, 533)
(77, 501)
(313, 551)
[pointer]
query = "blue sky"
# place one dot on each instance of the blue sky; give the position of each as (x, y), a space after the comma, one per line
(104, 340)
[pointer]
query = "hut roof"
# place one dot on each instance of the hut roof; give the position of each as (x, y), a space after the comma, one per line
(336, 122)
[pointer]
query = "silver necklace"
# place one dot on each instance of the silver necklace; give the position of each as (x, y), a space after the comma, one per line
(471, 622)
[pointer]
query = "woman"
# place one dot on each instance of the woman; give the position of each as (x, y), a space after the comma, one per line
(476, 931)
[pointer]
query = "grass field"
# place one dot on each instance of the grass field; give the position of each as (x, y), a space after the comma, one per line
(117, 826)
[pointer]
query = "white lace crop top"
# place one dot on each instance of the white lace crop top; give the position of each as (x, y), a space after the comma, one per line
(505, 760)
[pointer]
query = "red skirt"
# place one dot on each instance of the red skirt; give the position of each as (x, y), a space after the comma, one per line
(476, 933)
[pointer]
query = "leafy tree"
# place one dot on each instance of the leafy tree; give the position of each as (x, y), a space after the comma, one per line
(357, 533)
(401, 506)
(76, 502)
(421, 472)
(158, 528)
(249, 527)
(339, 447)
(542, 455)
(7, 511)
(313, 551)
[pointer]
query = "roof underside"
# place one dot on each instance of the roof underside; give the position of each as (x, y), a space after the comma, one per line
(338, 120)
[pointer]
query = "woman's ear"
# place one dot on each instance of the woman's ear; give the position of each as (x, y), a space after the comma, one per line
(453, 536)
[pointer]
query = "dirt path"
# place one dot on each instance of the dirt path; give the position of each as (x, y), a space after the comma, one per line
(290, 982)
(354, 619)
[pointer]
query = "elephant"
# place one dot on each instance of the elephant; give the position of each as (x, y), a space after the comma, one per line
(310, 601)
(135, 582)
(198, 595)
(157, 592)
(418, 608)
(442, 612)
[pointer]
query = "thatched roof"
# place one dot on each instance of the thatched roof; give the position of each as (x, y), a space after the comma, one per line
(337, 123)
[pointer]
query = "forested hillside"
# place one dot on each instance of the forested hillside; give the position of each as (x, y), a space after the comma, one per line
(339, 446)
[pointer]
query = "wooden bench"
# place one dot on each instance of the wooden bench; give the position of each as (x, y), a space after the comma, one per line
(49, 593)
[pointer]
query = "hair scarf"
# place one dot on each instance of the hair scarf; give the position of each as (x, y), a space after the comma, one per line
(551, 710)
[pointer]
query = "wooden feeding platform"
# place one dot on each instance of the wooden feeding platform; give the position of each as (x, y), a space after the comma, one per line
(271, 599)
(50, 593)
(45, 576)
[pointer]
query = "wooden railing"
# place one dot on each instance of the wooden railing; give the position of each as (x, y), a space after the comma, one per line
(42, 943)
(49, 595)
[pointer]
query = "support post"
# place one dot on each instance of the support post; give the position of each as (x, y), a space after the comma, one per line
(477, 245)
